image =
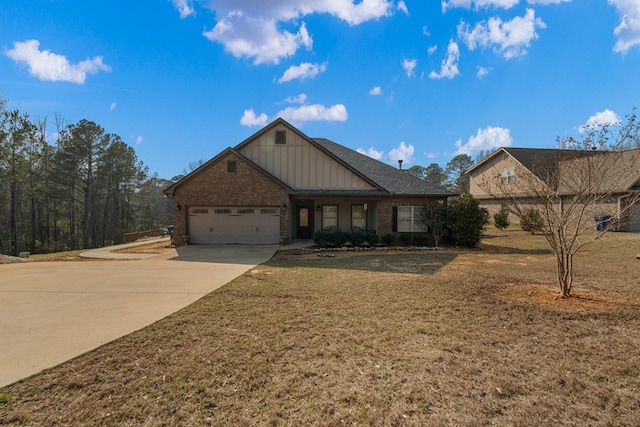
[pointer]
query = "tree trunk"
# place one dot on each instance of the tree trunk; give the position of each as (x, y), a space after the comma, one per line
(15, 243)
(564, 262)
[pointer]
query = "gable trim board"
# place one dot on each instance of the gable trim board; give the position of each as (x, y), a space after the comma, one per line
(292, 180)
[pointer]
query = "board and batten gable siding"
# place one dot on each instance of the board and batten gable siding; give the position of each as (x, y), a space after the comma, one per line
(300, 164)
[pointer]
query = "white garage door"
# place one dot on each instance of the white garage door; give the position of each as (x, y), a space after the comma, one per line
(218, 225)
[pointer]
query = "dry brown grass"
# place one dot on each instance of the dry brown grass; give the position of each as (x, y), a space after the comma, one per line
(447, 337)
(148, 248)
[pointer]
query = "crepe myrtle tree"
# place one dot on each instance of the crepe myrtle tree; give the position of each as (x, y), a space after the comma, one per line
(582, 190)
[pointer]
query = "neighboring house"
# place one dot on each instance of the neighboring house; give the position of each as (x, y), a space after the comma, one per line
(279, 184)
(508, 167)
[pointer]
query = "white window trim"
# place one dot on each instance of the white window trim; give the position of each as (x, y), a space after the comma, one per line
(414, 220)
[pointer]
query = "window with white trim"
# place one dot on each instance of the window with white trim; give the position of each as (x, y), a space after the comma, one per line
(508, 176)
(358, 217)
(410, 219)
(329, 217)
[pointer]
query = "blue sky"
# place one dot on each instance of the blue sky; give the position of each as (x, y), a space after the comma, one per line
(421, 80)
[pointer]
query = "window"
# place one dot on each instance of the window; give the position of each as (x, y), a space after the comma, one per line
(508, 176)
(269, 211)
(200, 211)
(410, 219)
(358, 217)
(245, 211)
(329, 217)
(281, 137)
(231, 167)
(224, 211)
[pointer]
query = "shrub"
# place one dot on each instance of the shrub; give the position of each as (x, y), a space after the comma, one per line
(405, 239)
(356, 238)
(501, 219)
(326, 238)
(466, 220)
(370, 238)
(420, 240)
(532, 220)
(388, 239)
(321, 238)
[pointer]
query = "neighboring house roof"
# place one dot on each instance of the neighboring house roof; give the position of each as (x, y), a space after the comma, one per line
(389, 178)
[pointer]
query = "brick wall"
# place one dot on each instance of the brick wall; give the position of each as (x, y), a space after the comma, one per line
(214, 186)
(385, 209)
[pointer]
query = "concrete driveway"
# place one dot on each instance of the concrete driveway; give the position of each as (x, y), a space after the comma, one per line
(54, 311)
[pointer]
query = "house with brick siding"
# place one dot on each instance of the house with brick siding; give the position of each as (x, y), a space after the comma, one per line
(279, 185)
(510, 172)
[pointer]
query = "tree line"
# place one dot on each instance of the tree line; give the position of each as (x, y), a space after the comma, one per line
(452, 177)
(84, 190)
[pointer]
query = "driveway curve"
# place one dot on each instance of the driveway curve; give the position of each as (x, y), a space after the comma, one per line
(54, 311)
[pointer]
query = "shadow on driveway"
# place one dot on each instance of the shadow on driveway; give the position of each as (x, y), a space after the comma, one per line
(225, 254)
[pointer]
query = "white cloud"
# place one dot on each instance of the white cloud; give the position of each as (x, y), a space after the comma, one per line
(425, 31)
(409, 65)
(139, 140)
(306, 70)
(449, 68)
(112, 106)
(249, 118)
(598, 120)
(253, 29)
(314, 112)
(546, 2)
(466, 4)
(300, 99)
(257, 38)
(375, 91)
(48, 66)
(509, 38)
(486, 139)
(628, 31)
(483, 71)
(371, 152)
(402, 6)
(432, 49)
(402, 152)
(184, 7)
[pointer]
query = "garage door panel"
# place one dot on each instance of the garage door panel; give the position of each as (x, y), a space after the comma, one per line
(231, 225)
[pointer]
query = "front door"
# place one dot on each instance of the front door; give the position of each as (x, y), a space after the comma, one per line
(304, 221)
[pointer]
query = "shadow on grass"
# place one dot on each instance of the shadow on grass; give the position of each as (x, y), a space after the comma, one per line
(516, 251)
(384, 262)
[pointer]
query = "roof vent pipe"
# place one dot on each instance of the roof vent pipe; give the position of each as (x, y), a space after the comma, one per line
(400, 164)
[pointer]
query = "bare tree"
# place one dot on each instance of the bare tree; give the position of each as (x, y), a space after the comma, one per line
(582, 190)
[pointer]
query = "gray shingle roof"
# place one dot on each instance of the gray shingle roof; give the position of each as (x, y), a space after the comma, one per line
(388, 178)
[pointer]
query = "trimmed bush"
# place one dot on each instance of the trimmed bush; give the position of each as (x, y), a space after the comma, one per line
(501, 219)
(532, 220)
(420, 240)
(405, 239)
(371, 238)
(388, 239)
(466, 220)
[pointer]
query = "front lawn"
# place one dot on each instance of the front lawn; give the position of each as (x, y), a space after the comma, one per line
(448, 337)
